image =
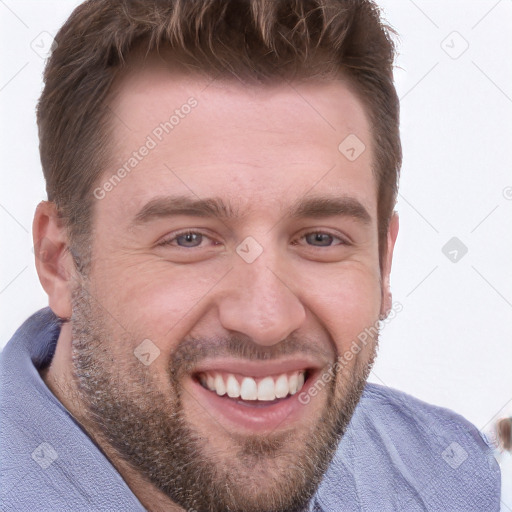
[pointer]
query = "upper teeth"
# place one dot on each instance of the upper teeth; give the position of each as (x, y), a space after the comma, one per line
(249, 388)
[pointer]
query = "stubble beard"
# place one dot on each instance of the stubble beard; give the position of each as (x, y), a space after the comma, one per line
(278, 472)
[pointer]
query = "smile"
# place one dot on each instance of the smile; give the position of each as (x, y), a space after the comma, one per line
(253, 388)
(257, 397)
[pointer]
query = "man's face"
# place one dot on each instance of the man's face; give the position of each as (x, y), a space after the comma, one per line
(270, 289)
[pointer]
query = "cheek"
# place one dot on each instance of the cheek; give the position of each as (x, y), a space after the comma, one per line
(154, 298)
(347, 303)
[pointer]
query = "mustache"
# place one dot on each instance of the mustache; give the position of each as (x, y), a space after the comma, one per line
(193, 350)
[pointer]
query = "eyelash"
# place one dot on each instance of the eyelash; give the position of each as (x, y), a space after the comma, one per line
(169, 241)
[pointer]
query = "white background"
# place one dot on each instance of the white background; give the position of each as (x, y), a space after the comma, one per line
(452, 343)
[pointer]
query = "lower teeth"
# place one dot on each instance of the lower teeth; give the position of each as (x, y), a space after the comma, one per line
(258, 401)
(241, 401)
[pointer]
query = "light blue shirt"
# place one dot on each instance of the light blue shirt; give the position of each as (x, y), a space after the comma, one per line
(398, 453)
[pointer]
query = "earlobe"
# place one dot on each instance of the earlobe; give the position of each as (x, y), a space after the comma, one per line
(54, 264)
(387, 298)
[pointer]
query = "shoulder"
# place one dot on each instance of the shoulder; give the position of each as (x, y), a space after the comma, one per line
(46, 457)
(408, 414)
(400, 453)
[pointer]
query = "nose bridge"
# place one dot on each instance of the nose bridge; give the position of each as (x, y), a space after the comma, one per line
(260, 303)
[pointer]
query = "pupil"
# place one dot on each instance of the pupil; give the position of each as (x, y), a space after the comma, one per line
(190, 239)
(322, 239)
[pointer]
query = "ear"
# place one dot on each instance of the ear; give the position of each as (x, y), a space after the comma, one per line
(54, 263)
(387, 298)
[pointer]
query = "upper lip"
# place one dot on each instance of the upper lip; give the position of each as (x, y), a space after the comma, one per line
(261, 368)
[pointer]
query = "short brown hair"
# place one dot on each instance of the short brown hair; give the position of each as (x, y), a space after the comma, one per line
(250, 39)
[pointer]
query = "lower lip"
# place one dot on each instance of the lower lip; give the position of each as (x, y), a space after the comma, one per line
(257, 417)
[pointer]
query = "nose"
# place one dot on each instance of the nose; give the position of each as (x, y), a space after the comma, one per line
(260, 304)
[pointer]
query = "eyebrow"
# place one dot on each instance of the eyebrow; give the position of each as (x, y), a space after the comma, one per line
(314, 207)
(317, 207)
(170, 206)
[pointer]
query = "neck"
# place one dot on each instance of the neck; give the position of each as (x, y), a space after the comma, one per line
(58, 377)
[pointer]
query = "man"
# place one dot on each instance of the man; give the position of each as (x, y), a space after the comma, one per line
(216, 248)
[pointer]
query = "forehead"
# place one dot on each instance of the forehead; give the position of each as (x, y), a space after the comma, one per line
(174, 132)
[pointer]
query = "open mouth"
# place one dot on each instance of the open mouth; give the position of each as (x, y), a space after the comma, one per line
(254, 396)
(254, 391)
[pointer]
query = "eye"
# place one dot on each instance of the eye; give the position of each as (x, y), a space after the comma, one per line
(189, 239)
(319, 239)
(322, 239)
(186, 239)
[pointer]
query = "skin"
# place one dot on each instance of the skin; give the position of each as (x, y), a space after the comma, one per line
(260, 149)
